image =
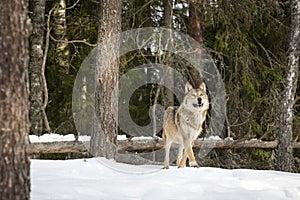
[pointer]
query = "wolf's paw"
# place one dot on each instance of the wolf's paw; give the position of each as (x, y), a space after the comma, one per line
(194, 164)
(166, 167)
(178, 161)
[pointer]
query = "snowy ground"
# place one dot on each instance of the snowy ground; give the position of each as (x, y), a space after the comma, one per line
(98, 178)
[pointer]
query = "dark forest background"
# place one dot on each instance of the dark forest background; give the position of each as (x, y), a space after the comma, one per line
(248, 41)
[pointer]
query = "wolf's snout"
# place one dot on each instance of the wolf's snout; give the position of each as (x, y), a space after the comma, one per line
(199, 101)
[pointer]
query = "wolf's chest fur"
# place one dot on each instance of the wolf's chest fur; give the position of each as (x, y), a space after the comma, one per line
(189, 122)
(183, 124)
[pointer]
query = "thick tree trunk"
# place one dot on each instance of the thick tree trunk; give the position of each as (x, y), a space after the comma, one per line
(195, 31)
(60, 31)
(285, 150)
(103, 142)
(35, 66)
(14, 161)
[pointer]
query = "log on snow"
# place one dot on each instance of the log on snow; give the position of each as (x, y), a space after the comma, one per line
(57, 147)
(150, 144)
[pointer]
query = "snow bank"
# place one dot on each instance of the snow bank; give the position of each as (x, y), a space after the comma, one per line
(98, 178)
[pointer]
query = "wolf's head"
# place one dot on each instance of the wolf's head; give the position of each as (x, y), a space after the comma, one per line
(196, 98)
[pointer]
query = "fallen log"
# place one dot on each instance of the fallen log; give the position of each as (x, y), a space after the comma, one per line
(133, 144)
(149, 144)
(227, 144)
(57, 147)
(155, 144)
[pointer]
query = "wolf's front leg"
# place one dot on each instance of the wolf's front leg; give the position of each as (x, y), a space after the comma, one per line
(183, 160)
(191, 156)
(167, 152)
(188, 153)
(180, 154)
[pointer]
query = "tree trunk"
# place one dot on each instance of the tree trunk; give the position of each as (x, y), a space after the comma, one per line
(168, 22)
(103, 141)
(14, 161)
(60, 31)
(35, 66)
(285, 150)
(195, 31)
(196, 20)
(168, 13)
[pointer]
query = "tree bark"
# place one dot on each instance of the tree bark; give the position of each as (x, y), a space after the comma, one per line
(14, 122)
(103, 141)
(285, 150)
(35, 66)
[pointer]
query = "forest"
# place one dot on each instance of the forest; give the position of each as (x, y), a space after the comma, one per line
(247, 40)
(252, 46)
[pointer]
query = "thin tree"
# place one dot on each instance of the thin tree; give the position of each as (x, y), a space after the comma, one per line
(35, 66)
(168, 97)
(168, 23)
(285, 150)
(14, 107)
(105, 136)
(196, 20)
(60, 29)
(195, 31)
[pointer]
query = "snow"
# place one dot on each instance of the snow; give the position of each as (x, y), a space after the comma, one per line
(212, 137)
(142, 138)
(121, 137)
(52, 137)
(99, 178)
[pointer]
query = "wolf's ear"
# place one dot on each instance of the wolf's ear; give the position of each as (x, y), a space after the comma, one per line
(188, 87)
(202, 86)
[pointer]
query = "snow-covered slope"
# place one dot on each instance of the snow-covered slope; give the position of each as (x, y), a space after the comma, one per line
(98, 178)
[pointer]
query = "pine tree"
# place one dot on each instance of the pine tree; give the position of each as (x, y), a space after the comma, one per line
(105, 136)
(14, 161)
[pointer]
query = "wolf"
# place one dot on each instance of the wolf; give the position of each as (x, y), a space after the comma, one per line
(183, 124)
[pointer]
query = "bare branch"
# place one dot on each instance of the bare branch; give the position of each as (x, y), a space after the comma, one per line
(68, 8)
(43, 71)
(73, 41)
